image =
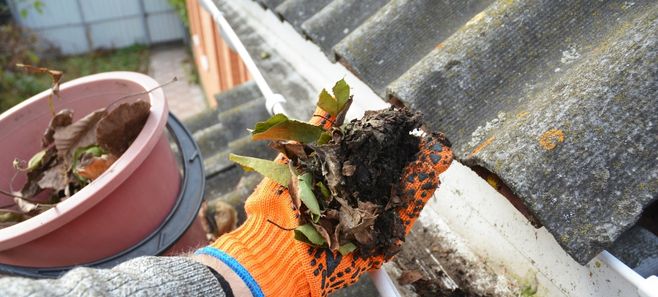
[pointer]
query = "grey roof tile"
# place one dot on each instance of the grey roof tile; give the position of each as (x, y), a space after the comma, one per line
(399, 35)
(558, 98)
(638, 248)
(298, 11)
(560, 103)
(237, 95)
(331, 24)
(270, 3)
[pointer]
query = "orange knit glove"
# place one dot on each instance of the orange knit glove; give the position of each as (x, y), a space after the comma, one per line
(272, 263)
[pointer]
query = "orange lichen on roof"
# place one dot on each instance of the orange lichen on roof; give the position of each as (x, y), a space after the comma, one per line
(522, 114)
(551, 138)
(482, 146)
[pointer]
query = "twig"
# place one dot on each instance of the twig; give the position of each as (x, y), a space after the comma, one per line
(3, 192)
(325, 118)
(282, 228)
(11, 182)
(55, 76)
(143, 92)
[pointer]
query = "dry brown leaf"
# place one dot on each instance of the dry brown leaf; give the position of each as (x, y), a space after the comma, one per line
(82, 133)
(292, 150)
(62, 119)
(409, 277)
(338, 232)
(364, 236)
(293, 187)
(363, 233)
(325, 234)
(368, 208)
(331, 213)
(116, 132)
(349, 217)
(331, 168)
(56, 77)
(217, 218)
(91, 167)
(340, 118)
(348, 168)
(31, 187)
(336, 135)
(358, 222)
(55, 178)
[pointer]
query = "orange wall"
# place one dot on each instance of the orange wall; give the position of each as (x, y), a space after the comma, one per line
(219, 67)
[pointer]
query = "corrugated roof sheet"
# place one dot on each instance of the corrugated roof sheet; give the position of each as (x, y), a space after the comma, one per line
(298, 11)
(328, 26)
(558, 98)
(270, 3)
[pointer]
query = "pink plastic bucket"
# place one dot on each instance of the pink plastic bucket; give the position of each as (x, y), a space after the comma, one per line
(116, 211)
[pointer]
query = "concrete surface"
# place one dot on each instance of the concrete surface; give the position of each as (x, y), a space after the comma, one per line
(184, 97)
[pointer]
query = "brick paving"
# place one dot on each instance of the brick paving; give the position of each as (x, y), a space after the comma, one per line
(185, 99)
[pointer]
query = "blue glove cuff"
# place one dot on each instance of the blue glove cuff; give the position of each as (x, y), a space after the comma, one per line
(235, 266)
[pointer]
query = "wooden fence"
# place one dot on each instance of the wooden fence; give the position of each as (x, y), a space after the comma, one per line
(219, 66)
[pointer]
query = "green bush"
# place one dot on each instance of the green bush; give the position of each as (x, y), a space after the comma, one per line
(16, 85)
(181, 8)
(17, 48)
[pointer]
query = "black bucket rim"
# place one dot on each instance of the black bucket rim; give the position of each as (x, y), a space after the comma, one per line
(164, 236)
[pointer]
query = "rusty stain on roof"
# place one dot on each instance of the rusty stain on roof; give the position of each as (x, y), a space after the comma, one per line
(482, 146)
(550, 139)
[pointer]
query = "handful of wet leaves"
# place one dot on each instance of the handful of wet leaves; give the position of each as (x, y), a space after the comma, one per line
(345, 180)
(73, 154)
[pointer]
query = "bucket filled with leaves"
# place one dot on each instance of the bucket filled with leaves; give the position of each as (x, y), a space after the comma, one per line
(86, 170)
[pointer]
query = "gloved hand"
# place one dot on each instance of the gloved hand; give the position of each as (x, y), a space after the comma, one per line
(273, 263)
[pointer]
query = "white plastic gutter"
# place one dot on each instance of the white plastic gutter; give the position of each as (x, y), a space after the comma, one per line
(645, 287)
(273, 102)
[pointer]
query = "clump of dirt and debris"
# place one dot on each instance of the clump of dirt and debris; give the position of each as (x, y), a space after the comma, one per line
(362, 166)
(344, 180)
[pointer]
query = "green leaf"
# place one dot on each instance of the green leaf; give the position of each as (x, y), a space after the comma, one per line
(94, 150)
(280, 127)
(342, 93)
(324, 138)
(38, 6)
(307, 196)
(323, 189)
(275, 171)
(335, 104)
(36, 160)
(269, 123)
(308, 234)
(328, 103)
(346, 248)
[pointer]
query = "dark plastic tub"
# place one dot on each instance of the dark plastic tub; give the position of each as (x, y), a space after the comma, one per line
(178, 232)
